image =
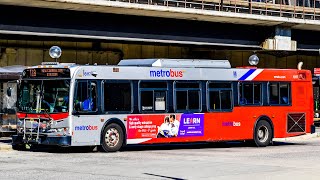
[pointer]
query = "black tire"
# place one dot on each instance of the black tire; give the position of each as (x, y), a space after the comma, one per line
(116, 141)
(262, 133)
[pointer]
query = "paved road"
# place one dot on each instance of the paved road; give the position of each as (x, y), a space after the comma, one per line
(295, 159)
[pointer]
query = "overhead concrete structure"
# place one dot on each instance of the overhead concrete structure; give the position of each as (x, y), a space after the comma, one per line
(237, 12)
(155, 9)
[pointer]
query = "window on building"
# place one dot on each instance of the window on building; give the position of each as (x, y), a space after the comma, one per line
(153, 96)
(250, 93)
(117, 97)
(279, 93)
(219, 96)
(187, 96)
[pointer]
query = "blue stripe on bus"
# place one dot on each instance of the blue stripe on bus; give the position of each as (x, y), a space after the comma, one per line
(246, 75)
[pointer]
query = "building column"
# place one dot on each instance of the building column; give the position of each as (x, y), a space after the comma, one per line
(281, 40)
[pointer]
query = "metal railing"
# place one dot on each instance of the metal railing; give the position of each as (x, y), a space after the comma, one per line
(300, 9)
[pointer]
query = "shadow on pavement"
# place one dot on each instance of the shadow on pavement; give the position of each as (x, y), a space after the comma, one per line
(154, 147)
(159, 147)
(204, 145)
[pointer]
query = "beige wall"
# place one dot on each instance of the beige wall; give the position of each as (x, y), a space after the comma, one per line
(21, 52)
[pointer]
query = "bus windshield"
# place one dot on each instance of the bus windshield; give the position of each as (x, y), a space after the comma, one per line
(44, 96)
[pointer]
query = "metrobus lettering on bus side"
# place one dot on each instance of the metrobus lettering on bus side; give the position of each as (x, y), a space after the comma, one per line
(79, 128)
(166, 73)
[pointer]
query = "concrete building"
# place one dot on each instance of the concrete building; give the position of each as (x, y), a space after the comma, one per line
(282, 33)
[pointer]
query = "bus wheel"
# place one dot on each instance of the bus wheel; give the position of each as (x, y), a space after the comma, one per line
(112, 138)
(262, 134)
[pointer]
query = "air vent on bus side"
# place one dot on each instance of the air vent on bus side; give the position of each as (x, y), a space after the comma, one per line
(296, 122)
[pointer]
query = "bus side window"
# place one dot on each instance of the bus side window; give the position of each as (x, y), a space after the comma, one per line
(187, 96)
(117, 97)
(153, 96)
(279, 93)
(250, 93)
(219, 96)
(86, 96)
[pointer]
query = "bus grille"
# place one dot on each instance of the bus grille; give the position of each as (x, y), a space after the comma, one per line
(296, 122)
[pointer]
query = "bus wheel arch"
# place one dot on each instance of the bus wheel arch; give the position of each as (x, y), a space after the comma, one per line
(116, 131)
(263, 131)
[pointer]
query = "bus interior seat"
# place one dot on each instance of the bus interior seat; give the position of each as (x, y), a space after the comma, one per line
(243, 101)
(284, 100)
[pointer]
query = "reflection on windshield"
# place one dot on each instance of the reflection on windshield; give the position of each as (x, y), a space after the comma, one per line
(40, 96)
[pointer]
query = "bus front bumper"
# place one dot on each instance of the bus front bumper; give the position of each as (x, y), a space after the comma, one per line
(44, 140)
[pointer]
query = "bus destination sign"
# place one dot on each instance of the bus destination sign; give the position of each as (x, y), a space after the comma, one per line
(46, 72)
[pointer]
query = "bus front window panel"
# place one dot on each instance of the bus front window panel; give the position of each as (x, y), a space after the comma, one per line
(43, 96)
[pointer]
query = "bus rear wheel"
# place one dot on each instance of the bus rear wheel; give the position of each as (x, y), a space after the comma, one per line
(262, 133)
(112, 138)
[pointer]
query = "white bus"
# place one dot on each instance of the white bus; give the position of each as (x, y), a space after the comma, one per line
(147, 101)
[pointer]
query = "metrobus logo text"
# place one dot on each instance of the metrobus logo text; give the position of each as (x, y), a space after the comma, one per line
(85, 128)
(234, 124)
(168, 73)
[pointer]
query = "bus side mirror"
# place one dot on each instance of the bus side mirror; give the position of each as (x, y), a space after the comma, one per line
(9, 91)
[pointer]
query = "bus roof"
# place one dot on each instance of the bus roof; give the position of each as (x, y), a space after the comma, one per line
(172, 63)
(178, 69)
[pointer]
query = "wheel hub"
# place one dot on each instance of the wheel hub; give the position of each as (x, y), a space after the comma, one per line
(112, 137)
(263, 134)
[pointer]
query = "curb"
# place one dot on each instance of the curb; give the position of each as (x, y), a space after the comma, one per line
(307, 136)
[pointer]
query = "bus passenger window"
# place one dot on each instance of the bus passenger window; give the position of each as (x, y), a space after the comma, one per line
(182, 100)
(147, 100)
(153, 96)
(187, 96)
(250, 94)
(117, 97)
(279, 93)
(220, 95)
(86, 96)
